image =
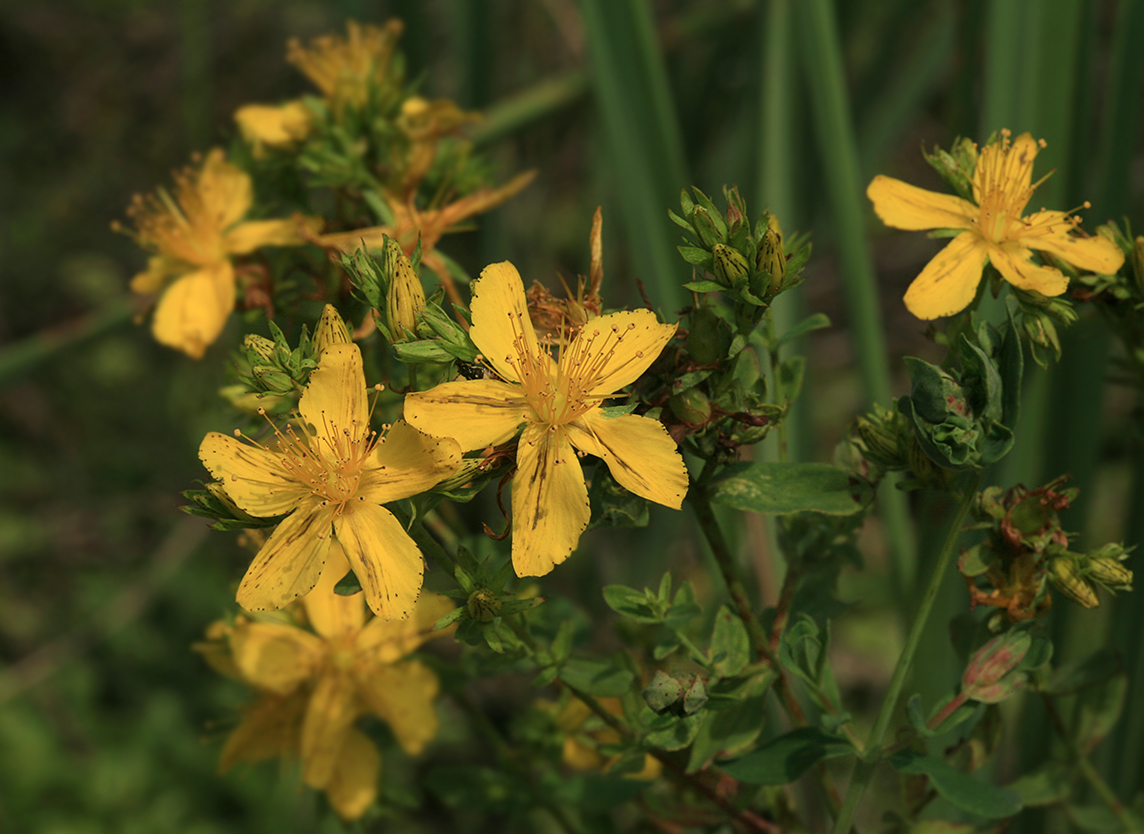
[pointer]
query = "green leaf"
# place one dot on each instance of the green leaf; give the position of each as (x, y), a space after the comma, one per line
(593, 792)
(959, 789)
(596, 677)
(808, 325)
(726, 731)
(779, 488)
(670, 733)
(730, 646)
(1048, 784)
(704, 286)
(1098, 709)
(786, 758)
(630, 603)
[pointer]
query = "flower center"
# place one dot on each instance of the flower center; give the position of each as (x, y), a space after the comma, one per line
(563, 390)
(1002, 186)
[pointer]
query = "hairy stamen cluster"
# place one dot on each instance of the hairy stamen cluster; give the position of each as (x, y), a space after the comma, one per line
(562, 391)
(183, 226)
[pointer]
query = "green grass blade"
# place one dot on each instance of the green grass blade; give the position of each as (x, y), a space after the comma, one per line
(641, 135)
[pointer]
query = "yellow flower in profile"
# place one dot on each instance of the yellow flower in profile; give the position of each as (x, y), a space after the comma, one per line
(347, 69)
(557, 401)
(314, 687)
(994, 231)
(332, 480)
(193, 234)
(269, 126)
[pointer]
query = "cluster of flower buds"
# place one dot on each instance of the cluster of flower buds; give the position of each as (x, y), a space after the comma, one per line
(1026, 552)
(963, 418)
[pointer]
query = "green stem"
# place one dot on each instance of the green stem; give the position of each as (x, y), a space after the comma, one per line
(865, 768)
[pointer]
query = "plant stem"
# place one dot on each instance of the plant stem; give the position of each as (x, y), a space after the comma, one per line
(865, 767)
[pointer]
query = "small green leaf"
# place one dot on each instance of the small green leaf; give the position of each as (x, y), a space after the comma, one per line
(786, 758)
(726, 731)
(779, 488)
(630, 603)
(730, 646)
(959, 789)
(670, 733)
(704, 286)
(1050, 783)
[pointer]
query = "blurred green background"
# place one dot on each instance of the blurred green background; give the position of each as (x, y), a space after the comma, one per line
(108, 723)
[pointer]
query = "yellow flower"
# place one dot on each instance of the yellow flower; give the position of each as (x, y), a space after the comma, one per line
(314, 686)
(332, 481)
(278, 127)
(346, 69)
(558, 403)
(995, 231)
(194, 234)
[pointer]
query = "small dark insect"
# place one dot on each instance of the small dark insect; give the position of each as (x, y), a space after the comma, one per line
(471, 370)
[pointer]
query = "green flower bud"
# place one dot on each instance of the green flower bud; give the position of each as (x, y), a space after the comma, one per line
(884, 445)
(483, 606)
(730, 265)
(706, 228)
(989, 677)
(769, 256)
(1066, 578)
(662, 693)
(331, 330)
(260, 346)
(405, 298)
(1110, 573)
(694, 696)
(691, 407)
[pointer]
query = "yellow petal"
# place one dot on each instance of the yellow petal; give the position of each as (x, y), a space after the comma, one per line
(549, 501)
(332, 709)
(623, 346)
(501, 326)
(155, 276)
(385, 560)
(270, 728)
(246, 237)
(407, 462)
(387, 641)
(194, 309)
(402, 695)
(1049, 231)
(332, 614)
(949, 281)
(1012, 261)
(334, 402)
(639, 452)
(353, 784)
(253, 478)
(225, 189)
(906, 206)
(579, 756)
(476, 413)
(276, 127)
(289, 564)
(274, 656)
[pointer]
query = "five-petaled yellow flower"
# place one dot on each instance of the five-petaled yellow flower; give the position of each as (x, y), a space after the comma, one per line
(558, 403)
(314, 686)
(194, 234)
(332, 480)
(995, 231)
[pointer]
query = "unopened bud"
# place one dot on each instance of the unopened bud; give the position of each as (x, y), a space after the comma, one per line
(662, 693)
(1066, 579)
(730, 265)
(331, 330)
(705, 227)
(1110, 573)
(405, 297)
(883, 445)
(709, 337)
(260, 346)
(769, 256)
(694, 696)
(990, 676)
(483, 605)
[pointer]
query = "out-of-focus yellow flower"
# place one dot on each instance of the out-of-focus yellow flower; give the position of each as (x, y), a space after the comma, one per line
(581, 746)
(332, 480)
(557, 402)
(193, 234)
(995, 231)
(274, 126)
(411, 224)
(346, 69)
(313, 686)
(425, 123)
